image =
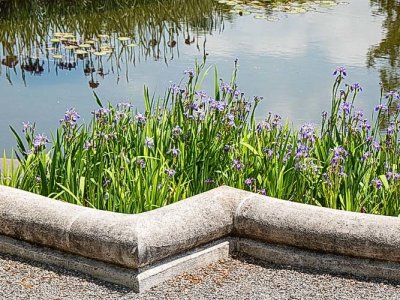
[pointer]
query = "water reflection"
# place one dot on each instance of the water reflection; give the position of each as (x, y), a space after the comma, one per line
(105, 37)
(386, 54)
(40, 35)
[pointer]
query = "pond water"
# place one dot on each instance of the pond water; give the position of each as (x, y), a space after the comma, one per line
(286, 53)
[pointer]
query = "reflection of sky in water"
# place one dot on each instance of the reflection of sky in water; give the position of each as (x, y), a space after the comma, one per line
(288, 62)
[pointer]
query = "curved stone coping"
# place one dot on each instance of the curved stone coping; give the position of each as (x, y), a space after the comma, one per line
(134, 241)
(127, 240)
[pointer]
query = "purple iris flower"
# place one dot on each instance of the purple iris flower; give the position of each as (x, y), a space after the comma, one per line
(237, 164)
(39, 141)
(174, 151)
(249, 181)
(170, 172)
(341, 71)
(149, 142)
(26, 126)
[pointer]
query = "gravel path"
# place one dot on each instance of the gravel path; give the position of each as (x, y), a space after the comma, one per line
(229, 279)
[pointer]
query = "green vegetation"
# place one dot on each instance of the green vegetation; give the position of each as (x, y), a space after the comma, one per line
(187, 142)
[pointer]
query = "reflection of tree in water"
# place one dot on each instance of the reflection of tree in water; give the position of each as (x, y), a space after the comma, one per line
(156, 27)
(386, 55)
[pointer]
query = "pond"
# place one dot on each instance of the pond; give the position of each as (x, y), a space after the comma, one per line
(55, 55)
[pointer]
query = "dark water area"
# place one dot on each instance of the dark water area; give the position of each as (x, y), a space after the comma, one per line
(54, 55)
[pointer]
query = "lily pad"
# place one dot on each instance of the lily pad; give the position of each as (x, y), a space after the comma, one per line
(272, 19)
(85, 46)
(296, 10)
(57, 56)
(80, 52)
(71, 47)
(260, 17)
(328, 3)
(231, 3)
(55, 40)
(100, 53)
(123, 38)
(106, 49)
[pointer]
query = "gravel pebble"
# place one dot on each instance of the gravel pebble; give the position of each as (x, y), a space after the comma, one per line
(241, 278)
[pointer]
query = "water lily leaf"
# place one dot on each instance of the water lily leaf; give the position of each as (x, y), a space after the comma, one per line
(58, 34)
(57, 56)
(55, 40)
(296, 10)
(328, 3)
(80, 52)
(272, 19)
(106, 49)
(132, 45)
(231, 3)
(123, 38)
(90, 42)
(99, 53)
(260, 17)
(103, 36)
(71, 47)
(85, 46)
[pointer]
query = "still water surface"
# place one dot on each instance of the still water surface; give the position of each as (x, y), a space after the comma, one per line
(286, 54)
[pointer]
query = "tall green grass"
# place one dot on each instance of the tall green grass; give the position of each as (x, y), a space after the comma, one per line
(187, 142)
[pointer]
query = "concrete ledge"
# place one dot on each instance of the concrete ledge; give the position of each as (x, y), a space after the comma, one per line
(337, 264)
(104, 271)
(137, 279)
(319, 229)
(145, 249)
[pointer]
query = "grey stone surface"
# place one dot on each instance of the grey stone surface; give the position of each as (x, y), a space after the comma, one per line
(114, 237)
(139, 279)
(187, 262)
(147, 241)
(320, 229)
(337, 264)
(186, 224)
(96, 234)
(100, 270)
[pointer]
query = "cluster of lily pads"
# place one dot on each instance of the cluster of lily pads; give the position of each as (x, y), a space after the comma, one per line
(270, 10)
(190, 141)
(64, 42)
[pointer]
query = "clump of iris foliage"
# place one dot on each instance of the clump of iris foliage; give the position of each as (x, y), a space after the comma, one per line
(188, 142)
